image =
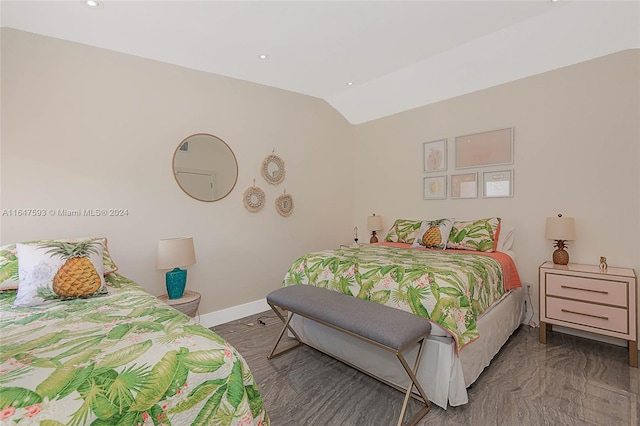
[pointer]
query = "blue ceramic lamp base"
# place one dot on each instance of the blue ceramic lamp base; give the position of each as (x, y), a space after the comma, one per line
(176, 281)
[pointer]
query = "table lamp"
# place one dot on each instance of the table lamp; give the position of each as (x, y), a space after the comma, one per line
(374, 223)
(173, 253)
(560, 229)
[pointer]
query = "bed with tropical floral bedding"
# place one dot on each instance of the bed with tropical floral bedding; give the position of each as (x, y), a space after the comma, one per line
(123, 358)
(448, 287)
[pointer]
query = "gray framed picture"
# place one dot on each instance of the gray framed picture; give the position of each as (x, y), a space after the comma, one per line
(434, 188)
(484, 149)
(434, 156)
(497, 184)
(464, 185)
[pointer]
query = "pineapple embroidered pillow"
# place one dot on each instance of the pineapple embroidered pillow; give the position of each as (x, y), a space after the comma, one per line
(59, 270)
(434, 233)
(9, 261)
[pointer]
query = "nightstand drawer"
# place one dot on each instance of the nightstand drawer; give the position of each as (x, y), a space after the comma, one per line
(588, 289)
(589, 314)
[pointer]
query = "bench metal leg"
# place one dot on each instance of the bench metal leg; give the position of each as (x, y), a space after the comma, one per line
(411, 372)
(285, 328)
(413, 382)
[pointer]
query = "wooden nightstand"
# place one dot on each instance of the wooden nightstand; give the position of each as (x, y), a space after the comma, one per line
(187, 304)
(584, 298)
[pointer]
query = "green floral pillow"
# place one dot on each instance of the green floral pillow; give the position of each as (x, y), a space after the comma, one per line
(478, 235)
(8, 267)
(9, 261)
(403, 231)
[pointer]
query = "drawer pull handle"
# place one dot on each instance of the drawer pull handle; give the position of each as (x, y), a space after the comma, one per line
(585, 289)
(586, 315)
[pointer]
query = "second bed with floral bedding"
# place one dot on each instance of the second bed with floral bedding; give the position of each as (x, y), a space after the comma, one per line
(459, 275)
(124, 358)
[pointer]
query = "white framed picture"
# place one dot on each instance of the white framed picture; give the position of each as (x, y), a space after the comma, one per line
(435, 156)
(434, 188)
(484, 149)
(464, 185)
(497, 184)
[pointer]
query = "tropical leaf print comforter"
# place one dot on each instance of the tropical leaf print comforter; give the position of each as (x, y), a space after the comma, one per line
(450, 288)
(122, 359)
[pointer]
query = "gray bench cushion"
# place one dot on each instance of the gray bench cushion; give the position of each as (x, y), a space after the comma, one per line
(388, 326)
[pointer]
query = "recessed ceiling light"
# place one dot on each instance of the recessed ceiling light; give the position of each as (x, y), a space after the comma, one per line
(263, 56)
(350, 83)
(93, 4)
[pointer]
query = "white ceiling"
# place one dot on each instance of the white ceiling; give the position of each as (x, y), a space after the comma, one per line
(398, 54)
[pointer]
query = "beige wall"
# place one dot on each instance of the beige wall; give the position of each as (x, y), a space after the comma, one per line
(77, 123)
(576, 144)
(89, 128)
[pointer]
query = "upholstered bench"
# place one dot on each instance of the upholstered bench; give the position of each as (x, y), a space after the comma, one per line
(388, 328)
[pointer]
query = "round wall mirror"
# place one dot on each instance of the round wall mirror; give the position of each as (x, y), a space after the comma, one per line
(284, 204)
(254, 199)
(205, 167)
(273, 169)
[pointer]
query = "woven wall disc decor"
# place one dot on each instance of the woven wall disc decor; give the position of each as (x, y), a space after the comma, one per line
(273, 169)
(253, 198)
(284, 204)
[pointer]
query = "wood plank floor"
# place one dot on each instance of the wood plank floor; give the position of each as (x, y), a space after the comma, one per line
(568, 381)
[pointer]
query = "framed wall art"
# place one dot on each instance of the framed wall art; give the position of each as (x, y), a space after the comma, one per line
(464, 185)
(435, 156)
(497, 184)
(484, 149)
(434, 188)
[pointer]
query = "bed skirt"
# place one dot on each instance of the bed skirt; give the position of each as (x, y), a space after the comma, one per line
(444, 376)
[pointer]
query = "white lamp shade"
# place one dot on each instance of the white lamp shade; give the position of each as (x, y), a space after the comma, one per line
(374, 223)
(560, 228)
(175, 252)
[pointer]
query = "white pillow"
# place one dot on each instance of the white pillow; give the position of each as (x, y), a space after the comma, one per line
(506, 237)
(55, 271)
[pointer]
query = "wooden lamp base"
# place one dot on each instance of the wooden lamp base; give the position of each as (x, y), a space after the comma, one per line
(374, 238)
(560, 255)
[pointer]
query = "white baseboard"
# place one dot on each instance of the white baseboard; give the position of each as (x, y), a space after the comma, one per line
(235, 312)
